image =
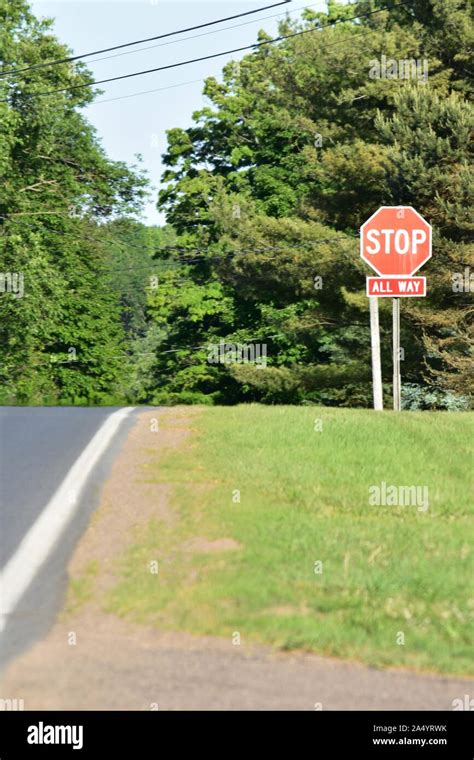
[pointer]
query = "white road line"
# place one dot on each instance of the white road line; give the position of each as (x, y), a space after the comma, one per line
(46, 531)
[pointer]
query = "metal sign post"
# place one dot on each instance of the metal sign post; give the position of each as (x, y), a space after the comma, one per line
(397, 403)
(375, 345)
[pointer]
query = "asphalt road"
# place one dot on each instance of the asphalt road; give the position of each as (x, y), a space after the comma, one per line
(38, 448)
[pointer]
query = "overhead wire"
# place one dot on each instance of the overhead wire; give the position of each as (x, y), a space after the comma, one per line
(207, 34)
(71, 59)
(254, 46)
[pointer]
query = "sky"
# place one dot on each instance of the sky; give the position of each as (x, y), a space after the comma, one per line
(138, 125)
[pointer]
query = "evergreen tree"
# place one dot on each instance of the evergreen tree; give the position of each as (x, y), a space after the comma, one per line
(304, 142)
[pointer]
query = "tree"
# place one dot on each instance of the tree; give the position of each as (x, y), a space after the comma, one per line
(429, 164)
(300, 142)
(63, 340)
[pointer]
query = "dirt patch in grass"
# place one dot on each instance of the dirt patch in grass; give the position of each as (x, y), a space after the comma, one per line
(128, 502)
(200, 545)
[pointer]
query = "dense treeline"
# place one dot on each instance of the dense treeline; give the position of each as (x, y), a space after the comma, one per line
(300, 143)
(264, 194)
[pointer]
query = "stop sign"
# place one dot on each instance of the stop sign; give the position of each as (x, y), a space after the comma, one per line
(395, 241)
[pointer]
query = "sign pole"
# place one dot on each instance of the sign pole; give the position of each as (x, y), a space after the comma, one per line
(396, 354)
(375, 344)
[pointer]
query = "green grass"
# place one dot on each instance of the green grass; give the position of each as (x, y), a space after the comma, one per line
(304, 498)
(81, 589)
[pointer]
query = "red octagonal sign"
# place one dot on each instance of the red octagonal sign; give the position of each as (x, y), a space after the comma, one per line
(395, 241)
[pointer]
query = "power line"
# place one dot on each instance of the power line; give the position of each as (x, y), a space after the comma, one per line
(201, 253)
(145, 92)
(254, 46)
(232, 255)
(158, 353)
(203, 256)
(197, 81)
(180, 251)
(207, 34)
(236, 256)
(70, 59)
(84, 238)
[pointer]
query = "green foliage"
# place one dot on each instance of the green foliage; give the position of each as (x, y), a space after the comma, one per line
(63, 340)
(416, 397)
(300, 145)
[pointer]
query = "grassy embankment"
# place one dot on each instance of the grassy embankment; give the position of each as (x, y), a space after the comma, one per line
(304, 499)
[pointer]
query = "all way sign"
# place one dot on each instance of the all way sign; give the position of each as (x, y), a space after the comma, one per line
(396, 287)
(395, 242)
